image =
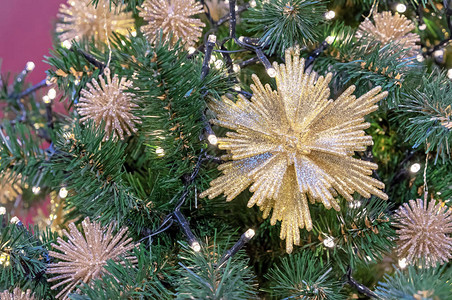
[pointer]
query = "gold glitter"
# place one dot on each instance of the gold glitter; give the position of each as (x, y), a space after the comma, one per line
(172, 17)
(390, 28)
(17, 294)
(109, 102)
(217, 8)
(294, 144)
(80, 19)
(424, 232)
(83, 257)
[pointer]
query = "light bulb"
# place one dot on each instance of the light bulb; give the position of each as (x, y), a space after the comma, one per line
(236, 68)
(271, 72)
(134, 33)
(237, 87)
(212, 139)
(419, 58)
(330, 15)
(253, 3)
(218, 64)
(449, 73)
(46, 99)
(191, 50)
(438, 53)
(14, 220)
(250, 233)
(195, 246)
(355, 204)
(415, 168)
(401, 8)
(36, 190)
(2, 210)
(422, 27)
(66, 44)
(30, 66)
(329, 242)
(212, 38)
(402, 263)
(63, 193)
(330, 39)
(159, 151)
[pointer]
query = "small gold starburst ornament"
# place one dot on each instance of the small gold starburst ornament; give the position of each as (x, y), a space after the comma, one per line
(424, 232)
(110, 103)
(84, 256)
(80, 19)
(390, 28)
(294, 144)
(174, 19)
(16, 294)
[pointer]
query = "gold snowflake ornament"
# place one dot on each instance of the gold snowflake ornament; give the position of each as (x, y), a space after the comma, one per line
(84, 256)
(293, 145)
(390, 28)
(110, 103)
(173, 18)
(16, 294)
(79, 19)
(424, 232)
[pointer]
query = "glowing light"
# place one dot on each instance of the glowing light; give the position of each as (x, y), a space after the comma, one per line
(355, 204)
(330, 15)
(195, 246)
(422, 27)
(438, 53)
(271, 72)
(419, 58)
(63, 193)
(15, 220)
(159, 151)
(36, 190)
(191, 50)
(237, 87)
(218, 64)
(212, 38)
(400, 8)
(46, 99)
(449, 73)
(4, 259)
(2, 210)
(236, 68)
(329, 242)
(253, 3)
(134, 33)
(212, 139)
(415, 168)
(250, 233)
(76, 82)
(66, 44)
(402, 263)
(330, 39)
(30, 66)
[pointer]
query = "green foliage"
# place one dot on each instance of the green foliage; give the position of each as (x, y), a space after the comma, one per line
(285, 23)
(426, 115)
(415, 283)
(126, 281)
(303, 276)
(200, 277)
(361, 233)
(24, 257)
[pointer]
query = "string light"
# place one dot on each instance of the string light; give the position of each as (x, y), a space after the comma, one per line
(30, 66)
(134, 33)
(36, 190)
(330, 39)
(253, 3)
(51, 93)
(438, 53)
(236, 68)
(4, 259)
(2, 210)
(422, 27)
(449, 73)
(66, 44)
(195, 246)
(355, 204)
(401, 8)
(271, 72)
(46, 99)
(191, 50)
(402, 263)
(419, 58)
(218, 64)
(249, 234)
(212, 139)
(15, 220)
(237, 87)
(63, 193)
(159, 151)
(330, 15)
(329, 242)
(415, 168)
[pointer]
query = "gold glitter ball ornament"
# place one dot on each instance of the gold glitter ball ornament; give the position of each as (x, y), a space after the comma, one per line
(174, 19)
(293, 145)
(424, 232)
(84, 256)
(16, 294)
(110, 103)
(80, 19)
(390, 28)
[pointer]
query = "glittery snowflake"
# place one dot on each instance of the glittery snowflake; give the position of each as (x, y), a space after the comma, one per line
(110, 103)
(295, 146)
(172, 18)
(424, 232)
(84, 256)
(79, 18)
(16, 294)
(390, 28)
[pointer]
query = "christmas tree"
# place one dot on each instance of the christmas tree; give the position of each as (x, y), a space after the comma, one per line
(262, 149)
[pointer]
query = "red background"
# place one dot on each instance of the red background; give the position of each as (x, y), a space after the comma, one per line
(26, 34)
